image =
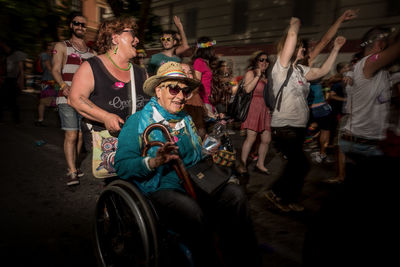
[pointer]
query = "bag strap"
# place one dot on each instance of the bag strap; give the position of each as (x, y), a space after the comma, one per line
(133, 90)
(280, 92)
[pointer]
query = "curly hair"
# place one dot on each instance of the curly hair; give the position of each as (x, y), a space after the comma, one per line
(110, 27)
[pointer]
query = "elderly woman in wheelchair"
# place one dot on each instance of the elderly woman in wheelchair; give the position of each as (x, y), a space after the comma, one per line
(217, 228)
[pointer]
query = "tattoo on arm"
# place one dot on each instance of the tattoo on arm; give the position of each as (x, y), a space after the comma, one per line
(86, 101)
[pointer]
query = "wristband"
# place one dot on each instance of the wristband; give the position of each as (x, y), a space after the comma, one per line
(63, 85)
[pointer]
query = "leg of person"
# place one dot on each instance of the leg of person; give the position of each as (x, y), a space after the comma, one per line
(247, 144)
(230, 213)
(183, 215)
(70, 125)
(289, 185)
(265, 138)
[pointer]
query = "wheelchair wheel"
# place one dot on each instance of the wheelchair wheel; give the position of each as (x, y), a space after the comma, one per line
(124, 232)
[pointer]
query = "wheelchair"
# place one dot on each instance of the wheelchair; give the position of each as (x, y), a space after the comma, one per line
(127, 231)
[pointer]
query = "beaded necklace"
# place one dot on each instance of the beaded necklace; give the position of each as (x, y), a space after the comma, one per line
(112, 61)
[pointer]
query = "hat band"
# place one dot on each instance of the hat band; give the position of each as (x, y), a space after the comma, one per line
(174, 73)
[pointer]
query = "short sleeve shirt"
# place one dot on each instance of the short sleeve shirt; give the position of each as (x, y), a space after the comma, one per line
(294, 107)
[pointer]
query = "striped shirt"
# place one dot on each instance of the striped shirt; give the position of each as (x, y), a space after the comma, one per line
(75, 58)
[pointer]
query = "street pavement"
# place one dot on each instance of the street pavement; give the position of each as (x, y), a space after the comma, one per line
(46, 223)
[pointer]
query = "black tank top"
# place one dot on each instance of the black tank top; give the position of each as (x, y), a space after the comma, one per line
(113, 95)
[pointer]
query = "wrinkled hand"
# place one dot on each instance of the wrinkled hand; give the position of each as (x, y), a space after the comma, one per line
(178, 22)
(66, 90)
(113, 122)
(350, 14)
(166, 153)
(339, 42)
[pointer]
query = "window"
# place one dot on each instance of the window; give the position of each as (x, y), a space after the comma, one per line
(76, 5)
(191, 23)
(393, 8)
(239, 16)
(104, 13)
(304, 10)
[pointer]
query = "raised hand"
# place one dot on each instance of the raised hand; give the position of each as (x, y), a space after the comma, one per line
(178, 22)
(295, 21)
(350, 14)
(339, 42)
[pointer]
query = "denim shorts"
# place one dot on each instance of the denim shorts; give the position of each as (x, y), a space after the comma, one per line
(70, 118)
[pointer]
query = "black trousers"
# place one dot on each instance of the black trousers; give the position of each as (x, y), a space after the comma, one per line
(289, 185)
(226, 214)
(9, 93)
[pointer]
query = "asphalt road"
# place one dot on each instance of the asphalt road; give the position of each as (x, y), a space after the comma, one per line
(46, 223)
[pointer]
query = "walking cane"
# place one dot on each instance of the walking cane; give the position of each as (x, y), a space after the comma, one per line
(177, 164)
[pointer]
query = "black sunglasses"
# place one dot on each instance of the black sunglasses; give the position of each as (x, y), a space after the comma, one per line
(174, 89)
(77, 23)
(263, 59)
(131, 31)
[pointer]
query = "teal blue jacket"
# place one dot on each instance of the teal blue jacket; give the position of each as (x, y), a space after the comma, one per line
(130, 165)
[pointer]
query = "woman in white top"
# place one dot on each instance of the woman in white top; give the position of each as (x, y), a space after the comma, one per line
(289, 122)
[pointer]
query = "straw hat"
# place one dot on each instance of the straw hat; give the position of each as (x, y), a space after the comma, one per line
(170, 71)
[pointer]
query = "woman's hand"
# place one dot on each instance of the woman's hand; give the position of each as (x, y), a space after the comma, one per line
(113, 122)
(178, 22)
(295, 22)
(349, 14)
(166, 153)
(339, 42)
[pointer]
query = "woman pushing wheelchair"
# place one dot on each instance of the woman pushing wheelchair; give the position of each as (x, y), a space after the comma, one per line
(225, 213)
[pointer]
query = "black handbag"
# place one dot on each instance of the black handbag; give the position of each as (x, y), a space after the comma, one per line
(208, 176)
(241, 103)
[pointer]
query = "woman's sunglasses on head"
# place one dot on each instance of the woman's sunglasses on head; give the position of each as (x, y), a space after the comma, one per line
(77, 23)
(174, 89)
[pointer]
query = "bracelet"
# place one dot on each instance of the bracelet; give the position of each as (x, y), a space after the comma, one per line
(63, 85)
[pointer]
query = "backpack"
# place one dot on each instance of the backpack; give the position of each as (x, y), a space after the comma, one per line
(271, 101)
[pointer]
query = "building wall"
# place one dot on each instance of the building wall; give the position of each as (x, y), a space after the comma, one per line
(241, 27)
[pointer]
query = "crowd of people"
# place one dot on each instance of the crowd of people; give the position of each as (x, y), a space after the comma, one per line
(92, 90)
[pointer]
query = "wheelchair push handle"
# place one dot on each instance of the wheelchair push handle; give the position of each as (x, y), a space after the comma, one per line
(178, 165)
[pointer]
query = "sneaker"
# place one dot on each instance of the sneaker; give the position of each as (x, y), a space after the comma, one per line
(296, 207)
(318, 157)
(79, 173)
(72, 179)
(274, 199)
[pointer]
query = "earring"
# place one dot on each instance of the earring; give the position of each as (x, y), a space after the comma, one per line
(115, 49)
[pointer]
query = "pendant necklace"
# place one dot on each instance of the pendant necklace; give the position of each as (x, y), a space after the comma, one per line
(112, 61)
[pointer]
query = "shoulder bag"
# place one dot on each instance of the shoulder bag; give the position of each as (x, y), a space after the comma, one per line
(241, 103)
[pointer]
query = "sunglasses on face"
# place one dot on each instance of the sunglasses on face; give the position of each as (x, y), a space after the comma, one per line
(169, 39)
(262, 60)
(174, 89)
(77, 23)
(130, 31)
